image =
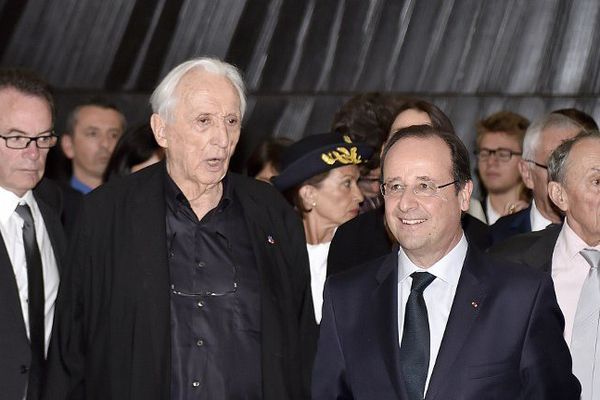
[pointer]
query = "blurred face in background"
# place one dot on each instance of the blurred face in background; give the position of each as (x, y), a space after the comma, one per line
(95, 133)
(498, 175)
(535, 177)
(369, 182)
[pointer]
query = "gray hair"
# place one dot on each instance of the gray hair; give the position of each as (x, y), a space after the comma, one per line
(163, 98)
(533, 133)
(557, 163)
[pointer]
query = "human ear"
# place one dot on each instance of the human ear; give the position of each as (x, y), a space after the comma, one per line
(558, 195)
(465, 196)
(158, 128)
(525, 171)
(66, 144)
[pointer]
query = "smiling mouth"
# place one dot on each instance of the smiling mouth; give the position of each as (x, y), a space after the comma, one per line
(413, 221)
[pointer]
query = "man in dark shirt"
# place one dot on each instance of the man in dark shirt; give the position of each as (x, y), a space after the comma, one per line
(186, 280)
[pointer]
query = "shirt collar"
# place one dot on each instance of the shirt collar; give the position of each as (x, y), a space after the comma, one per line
(448, 268)
(571, 242)
(9, 202)
(79, 186)
(176, 198)
(537, 220)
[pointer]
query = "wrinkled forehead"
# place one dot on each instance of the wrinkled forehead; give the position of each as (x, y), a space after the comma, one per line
(22, 110)
(584, 157)
(199, 86)
(412, 157)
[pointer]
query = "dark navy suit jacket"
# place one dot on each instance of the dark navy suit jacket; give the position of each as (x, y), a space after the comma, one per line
(510, 225)
(503, 339)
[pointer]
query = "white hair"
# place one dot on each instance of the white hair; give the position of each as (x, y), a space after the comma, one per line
(163, 98)
(531, 141)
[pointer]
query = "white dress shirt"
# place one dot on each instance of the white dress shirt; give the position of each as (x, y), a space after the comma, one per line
(11, 228)
(569, 270)
(438, 296)
(317, 257)
(537, 220)
(492, 215)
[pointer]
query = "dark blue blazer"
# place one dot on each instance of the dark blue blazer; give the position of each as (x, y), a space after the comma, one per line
(510, 225)
(503, 339)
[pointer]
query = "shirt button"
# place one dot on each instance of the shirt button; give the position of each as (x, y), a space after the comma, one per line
(195, 384)
(200, 304)
(199, 342)
(201, 264)
(24, 369)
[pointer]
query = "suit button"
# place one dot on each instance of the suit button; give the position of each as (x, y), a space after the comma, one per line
(24, 369)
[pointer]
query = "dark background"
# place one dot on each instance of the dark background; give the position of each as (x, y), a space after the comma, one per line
(302, 59)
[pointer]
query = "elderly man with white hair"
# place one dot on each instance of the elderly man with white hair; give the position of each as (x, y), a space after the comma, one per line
(186, 280)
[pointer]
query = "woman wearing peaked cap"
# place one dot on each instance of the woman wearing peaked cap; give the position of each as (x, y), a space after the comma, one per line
(319, 176)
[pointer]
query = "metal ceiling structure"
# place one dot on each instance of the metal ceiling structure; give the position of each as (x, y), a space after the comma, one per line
(302, 59)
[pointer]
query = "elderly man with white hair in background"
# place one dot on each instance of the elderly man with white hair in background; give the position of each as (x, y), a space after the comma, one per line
(541, 138)
(187, 280)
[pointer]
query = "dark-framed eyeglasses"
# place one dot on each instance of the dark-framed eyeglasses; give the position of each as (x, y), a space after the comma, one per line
(394, 188)
(210, 293)
(537, 164)
(501, 154)
(20, 142)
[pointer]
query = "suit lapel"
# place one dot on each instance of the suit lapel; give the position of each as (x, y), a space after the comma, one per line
(9, 293)
(468, 300)
(540, 253)
(386, 320)
(149, 241)
(55, 231)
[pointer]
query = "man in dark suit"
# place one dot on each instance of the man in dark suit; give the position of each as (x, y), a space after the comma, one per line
(541, 138)
(31, 236)
(562, 251)
(187, 280)
(438, 319)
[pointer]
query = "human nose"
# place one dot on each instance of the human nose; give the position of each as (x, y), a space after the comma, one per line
(220, 135)
(357, 193)
(407, 199)
(32, 151)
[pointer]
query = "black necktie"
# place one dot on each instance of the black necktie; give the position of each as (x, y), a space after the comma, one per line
(35, 283)
(414, 350)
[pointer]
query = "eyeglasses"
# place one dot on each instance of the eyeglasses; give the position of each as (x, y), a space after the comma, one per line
(422, 189)
(19, 142)
(501, 154)
(537, 164)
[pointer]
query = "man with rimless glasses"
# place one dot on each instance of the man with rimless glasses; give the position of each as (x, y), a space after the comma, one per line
(541, 138)
(31, 236)
(187, 281)
(436, 318)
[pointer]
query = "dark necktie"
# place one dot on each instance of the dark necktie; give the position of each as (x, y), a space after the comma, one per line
(35, 283)
(414, 349)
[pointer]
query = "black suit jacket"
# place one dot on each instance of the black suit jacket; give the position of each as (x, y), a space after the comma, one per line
(113, 333)
(511, 225)
(15, 354)
(534, 248)
(503, 339)
(365, 238)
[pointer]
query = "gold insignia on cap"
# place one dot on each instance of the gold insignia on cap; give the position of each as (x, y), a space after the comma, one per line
(347, 139)
(342, 155)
